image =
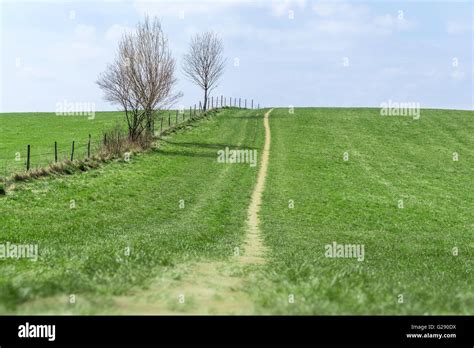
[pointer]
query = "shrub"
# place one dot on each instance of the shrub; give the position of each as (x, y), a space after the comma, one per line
(117, 142)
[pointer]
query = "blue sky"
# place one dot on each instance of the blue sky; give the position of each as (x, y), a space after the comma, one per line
(301, 53)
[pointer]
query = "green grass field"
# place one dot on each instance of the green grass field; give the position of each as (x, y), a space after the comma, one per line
(133, 205)
(408, 251)
(136, 205)
(41, 130)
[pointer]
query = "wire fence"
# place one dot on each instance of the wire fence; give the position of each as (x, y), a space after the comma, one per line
(33, 156)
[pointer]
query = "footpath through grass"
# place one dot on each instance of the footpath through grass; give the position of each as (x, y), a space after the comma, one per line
(397, 192)
(410, 266)
(171, 205)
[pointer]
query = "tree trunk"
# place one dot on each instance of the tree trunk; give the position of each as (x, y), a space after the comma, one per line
(149, 121)
(205, 100)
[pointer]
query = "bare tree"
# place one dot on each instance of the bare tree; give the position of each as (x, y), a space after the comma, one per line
(141, 78)
(204, 63)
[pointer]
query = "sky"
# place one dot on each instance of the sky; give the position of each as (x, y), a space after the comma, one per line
(279, 53)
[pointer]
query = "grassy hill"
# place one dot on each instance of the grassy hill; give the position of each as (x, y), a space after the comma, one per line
(135, 205)
(408, 250)
(41, 130)
(348, 176)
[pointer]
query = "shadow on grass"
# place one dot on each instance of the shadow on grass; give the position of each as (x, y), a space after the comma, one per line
(255, 117)
(186, 153)
(261, 115)
(208, 146)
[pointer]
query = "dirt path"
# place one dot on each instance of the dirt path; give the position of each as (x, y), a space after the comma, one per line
(254, 248)
(196, 288)
(210, 287)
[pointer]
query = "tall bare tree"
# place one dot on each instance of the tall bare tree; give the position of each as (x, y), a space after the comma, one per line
(142, 77)
(204, 63)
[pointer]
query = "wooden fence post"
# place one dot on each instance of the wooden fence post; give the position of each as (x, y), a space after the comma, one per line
(176, 117)
(56, 151)
(169, 119)
(28, 158)
(72, 151)
(239, 103)
(252, 103)
(89, 147)
(161, 126)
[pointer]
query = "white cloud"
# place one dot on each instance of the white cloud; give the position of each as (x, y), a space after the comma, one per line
(282, 7)
(458, 27)
(116, 31)
(390, 23)
(84, 32)
(169, 8)
(392, 71)
(34, 73)
(339, 9)
(306, 38)
(83, 45)
(323, 9)
(384, 21)
(85, 50)
(348, 19)
(178, 8)
(336, 27)
(458, 75)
